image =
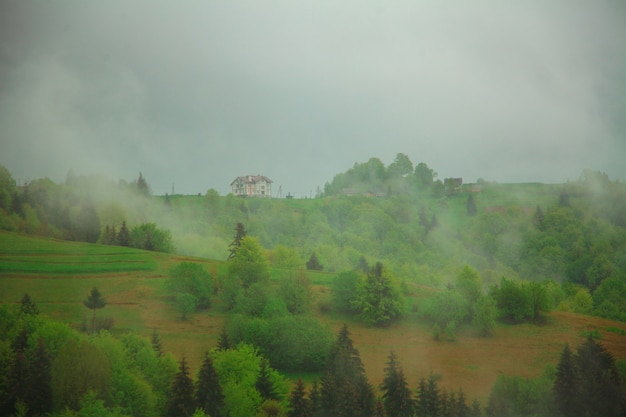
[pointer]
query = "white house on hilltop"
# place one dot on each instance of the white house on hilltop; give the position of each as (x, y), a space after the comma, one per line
(252, 186)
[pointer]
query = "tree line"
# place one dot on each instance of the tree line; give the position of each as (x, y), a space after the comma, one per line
(574, 237)
(47, 368)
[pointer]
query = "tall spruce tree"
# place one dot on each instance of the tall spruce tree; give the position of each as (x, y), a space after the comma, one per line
(223, 341)
(209, 396)
(94, 301)
(39, 393)
(27, 307)
(566, 390)
(240, 233)
(123, 236)
(299, 405)
(156, 343)
(602, 389)
(428, 402)
(181, 402)
(396, 393)
(264, 384)
(313, 264)
(345, 390)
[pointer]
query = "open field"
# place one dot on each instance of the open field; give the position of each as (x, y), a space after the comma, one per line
(58, 276)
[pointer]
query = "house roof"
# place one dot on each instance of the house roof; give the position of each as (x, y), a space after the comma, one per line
(252, 179)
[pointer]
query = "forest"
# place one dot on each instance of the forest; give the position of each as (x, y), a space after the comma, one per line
(486, 253)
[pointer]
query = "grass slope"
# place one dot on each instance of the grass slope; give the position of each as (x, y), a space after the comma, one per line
(58, 276)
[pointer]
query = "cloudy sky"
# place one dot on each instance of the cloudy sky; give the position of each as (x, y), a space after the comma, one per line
(196, 93)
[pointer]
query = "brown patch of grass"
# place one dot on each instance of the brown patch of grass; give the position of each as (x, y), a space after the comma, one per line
(473, 363)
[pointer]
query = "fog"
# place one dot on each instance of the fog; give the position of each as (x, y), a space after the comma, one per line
(195, 94)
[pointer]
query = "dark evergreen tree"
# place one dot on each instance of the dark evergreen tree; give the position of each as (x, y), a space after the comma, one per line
(240, 233)
(396, 394)
(471, 205)
(142, 186)
(428, 400)
(313, 264)
(362, 266)
(20, 341)
(315, 400)
(123, 236)
(461, 407)
(27, 307)
(94, 302)
(299, 405)
(475, 410)
(181, 402)
(39, 393)
(17, 380)
(602, 391)
(567, 385)
(223, 342)
(209, 396)
(264, 384)
(445, 404)
(156, 343)
(345, 390)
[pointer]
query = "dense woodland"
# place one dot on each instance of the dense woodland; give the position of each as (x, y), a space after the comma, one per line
(508, 252)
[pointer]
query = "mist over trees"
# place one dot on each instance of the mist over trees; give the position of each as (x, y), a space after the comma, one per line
(490, 254)
(400, 215)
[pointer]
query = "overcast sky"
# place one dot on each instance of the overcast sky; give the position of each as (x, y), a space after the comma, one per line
(196, 93)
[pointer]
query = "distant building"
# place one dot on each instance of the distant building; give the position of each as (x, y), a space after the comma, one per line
(252, 186)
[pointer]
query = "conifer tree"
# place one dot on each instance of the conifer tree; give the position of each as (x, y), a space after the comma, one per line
(567, 385)
(602, 390)
(299, 405)
(461, 407)
(315, 400)
(396, 393)
(313, 264)
(39, 393)
(181, 402)
(240, 233)
(142, 185)
(156, 343)
(264, 384)
(94, 302)
(27, 307)
(209, 396)
(123, 236)
(428, 398)
(475, 410)
(223, 342)
(17, 379)
(345, 390)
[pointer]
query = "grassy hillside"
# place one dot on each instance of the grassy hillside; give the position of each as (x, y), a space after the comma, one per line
(58, 276)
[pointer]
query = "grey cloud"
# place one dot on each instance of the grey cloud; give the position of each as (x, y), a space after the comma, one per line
(198, 93)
